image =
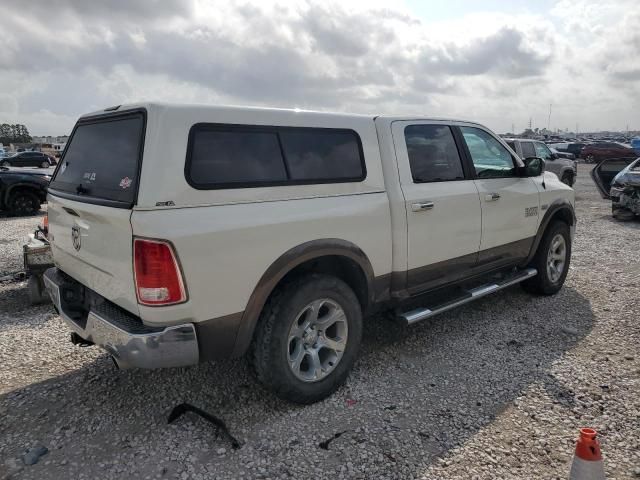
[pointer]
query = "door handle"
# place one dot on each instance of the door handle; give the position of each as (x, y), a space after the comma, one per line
(492, 197)
(421, 206)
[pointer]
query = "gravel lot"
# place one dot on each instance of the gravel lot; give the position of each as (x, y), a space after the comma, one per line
(496, 389)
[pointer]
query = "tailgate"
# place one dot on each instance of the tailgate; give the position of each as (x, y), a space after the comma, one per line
(93, 244)
(90, 199)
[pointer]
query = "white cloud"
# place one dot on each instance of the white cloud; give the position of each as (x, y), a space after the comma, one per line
(349, 56)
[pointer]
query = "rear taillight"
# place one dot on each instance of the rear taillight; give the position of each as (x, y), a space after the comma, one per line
(45, 223)
(157, 273)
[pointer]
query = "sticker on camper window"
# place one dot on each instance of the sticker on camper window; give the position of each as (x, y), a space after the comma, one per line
(125, 182)
(91, 176)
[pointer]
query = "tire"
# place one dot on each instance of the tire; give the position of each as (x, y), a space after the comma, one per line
(549, 281)
(622, 214)
(6, 164)
(567, 179)
(23, 203)
(45, 165)
(281, 337)
(590, 159)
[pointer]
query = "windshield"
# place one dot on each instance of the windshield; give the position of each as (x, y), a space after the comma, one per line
(102, 160)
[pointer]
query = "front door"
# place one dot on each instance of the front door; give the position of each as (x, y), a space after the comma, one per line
(510, 203)
(442, 204)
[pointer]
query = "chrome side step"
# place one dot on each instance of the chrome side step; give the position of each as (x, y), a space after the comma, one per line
(419, 314)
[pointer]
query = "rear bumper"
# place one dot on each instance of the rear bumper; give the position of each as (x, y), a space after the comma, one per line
(131, 343)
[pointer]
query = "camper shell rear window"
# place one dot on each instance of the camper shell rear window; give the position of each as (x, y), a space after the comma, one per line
(101, 163)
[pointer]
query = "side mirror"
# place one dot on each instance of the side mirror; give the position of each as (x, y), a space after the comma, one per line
(533, 167)
(554, 156)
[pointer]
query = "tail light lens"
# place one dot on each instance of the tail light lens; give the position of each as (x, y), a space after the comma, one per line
(45, 223)
(157, 273)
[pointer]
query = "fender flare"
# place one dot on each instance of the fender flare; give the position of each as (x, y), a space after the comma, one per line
(286, 263)
(558, 205)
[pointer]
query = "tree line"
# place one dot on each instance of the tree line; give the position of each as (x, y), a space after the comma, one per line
(14, 133)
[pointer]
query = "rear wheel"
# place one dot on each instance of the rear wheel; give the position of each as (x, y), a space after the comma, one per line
(551, 260)
(307, 338)
(6, 164)
(44, 165)
(23, 203)
(590, 159)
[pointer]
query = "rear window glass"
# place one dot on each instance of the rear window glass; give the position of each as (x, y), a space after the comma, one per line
(102, 159)
(528, 150)
(237, 156)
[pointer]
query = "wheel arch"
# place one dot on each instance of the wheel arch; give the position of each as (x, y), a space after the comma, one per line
(560, 209)
(331, 256)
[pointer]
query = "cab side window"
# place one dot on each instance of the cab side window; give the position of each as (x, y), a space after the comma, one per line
(490, 158)
(433, 155)
(543, 151)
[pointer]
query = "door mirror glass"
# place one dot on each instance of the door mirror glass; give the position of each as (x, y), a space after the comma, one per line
(533, 167)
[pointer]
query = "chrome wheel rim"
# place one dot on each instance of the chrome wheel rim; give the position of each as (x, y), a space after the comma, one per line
(556, 258)
(317, 340)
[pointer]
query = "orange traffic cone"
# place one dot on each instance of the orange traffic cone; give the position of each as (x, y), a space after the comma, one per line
(587, 461)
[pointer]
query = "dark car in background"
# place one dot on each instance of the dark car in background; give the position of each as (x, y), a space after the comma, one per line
(597, 152)
(28, 159)
(22, 191)
(568, 147)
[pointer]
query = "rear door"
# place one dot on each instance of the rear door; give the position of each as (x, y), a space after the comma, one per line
(510, 203)
(604, 173)
(90, 201)
(442, 204)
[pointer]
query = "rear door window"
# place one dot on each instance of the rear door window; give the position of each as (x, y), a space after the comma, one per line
(528, 150)
(102, 160)
(433, 155)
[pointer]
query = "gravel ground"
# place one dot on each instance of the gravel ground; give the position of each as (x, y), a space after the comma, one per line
(13, 234)
(496, 389)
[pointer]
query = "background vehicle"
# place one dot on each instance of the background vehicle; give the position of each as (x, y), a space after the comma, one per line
(559, 154)
(596, 152)
(27, 159)
(299, 226)
(635, 144)
(22, 191)
(619, 180)
(569, 147)
(565, 169)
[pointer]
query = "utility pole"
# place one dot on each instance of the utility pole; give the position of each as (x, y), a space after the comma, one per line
(513, 128)
(549, 120)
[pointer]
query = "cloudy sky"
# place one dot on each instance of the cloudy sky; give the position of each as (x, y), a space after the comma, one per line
(497, 62)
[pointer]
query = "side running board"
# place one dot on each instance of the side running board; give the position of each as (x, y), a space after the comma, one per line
(467, 296)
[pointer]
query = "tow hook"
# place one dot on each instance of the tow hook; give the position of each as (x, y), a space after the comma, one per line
(78, 340)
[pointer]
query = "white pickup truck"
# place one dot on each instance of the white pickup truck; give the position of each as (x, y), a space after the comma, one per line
(182, 234)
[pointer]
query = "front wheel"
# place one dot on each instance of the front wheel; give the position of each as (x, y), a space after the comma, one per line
(567, 179)
(6, 164)
(45, 165)
(551, 260)
(307, 338)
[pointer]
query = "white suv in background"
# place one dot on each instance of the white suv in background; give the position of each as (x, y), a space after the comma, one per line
(187, 233)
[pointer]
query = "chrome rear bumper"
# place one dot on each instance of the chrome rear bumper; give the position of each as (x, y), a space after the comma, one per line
(131, 343)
